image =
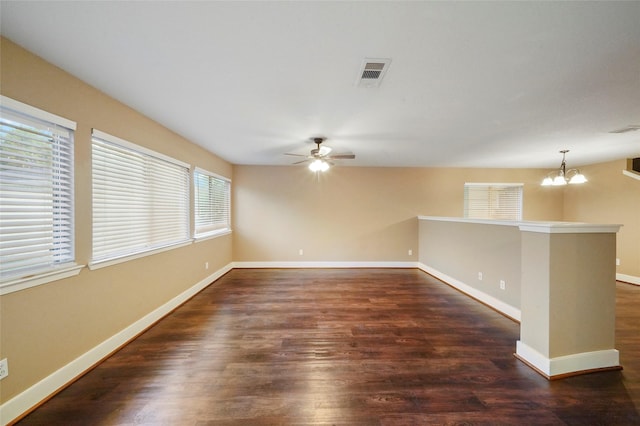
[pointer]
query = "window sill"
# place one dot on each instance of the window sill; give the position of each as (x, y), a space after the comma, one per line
(103, 263)
(211, 235)
(17, 284)
(631, 174)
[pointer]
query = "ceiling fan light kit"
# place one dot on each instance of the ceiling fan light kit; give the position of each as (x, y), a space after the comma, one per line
(321, 155)
(562, 176)
(319, 166)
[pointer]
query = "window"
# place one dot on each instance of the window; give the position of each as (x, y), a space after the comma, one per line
(140, 200)
(212, 203)
(36, 192)
(500, 201)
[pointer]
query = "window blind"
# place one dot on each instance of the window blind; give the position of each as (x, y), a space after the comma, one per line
(140, 199)
(212, 203)
(36, 190)
(493, 201)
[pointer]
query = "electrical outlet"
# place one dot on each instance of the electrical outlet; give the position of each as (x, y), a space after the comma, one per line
(617, 262)
(480, 276)
(206, 265)
(4, 368)
(300, 252)
(503, 285)
(410, 252)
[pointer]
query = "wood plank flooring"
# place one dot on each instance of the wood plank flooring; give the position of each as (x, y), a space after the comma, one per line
(343, 347)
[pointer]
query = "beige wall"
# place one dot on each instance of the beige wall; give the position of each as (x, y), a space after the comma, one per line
(568, 292)
(582, 297)
(368, 214)
(609, 197)
(462, 250)
(349, 214)
(46, 327)
(357, 213)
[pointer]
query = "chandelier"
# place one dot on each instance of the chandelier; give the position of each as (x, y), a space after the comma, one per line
(562, 176)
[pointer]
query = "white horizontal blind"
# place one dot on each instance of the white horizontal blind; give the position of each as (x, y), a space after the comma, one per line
(36, 191)
(493, 201)
(212, 202)
(140, 199)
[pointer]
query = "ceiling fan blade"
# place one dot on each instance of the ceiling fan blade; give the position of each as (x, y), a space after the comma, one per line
(324, 150)
(342, 156)
(322, 153)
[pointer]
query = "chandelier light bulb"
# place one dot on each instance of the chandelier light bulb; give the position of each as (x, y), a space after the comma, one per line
(562, 176)
(578, 178)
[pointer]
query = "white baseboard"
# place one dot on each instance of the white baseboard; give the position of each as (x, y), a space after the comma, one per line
(628, 279)
(31, 397)
(496, 304)
(283, 265)
(563, 365)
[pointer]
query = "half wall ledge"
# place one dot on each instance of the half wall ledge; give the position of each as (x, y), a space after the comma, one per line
(559, 275)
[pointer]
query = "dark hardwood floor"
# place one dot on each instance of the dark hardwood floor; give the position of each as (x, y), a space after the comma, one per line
(338, 346)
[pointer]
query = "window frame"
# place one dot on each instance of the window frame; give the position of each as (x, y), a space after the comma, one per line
(492, 189)
(64, 166)
(129, 253)
(211, 230)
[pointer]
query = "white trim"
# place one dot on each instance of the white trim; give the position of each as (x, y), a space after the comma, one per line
(208, 173)
(567, 364)
(498, 305)
(206, 231)
(492, 184)
(530, 226)
(502, 201)
(34, 395)
(56, 274)
(533, 357)
(36, 112)
(569, 228)
(585, 361)
(102, 263)
(95, 133)
(628, 279)
(211, 235)
(631, 174)
(283, 265)
(471, 220)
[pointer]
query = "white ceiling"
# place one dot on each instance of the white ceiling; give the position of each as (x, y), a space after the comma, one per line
(477, 84)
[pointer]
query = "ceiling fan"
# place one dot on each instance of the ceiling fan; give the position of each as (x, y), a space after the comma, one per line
(321, 156)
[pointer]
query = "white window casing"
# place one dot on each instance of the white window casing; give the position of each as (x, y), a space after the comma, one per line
(212, 204)
(36, 196)
(496, 201)
(140, 200)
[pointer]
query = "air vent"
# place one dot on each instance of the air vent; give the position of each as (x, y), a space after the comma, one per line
(372, 72)
(629, 128)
